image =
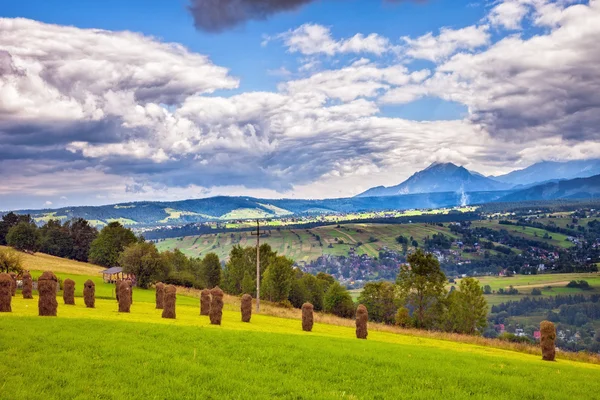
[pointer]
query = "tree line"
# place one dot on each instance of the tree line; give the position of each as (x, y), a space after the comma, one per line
(417, 299)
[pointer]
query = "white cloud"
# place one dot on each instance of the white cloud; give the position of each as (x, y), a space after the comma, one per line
(115, 125)
(311, 39)
(436, 48)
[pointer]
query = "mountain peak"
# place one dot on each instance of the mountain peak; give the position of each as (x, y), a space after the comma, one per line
(440, 177)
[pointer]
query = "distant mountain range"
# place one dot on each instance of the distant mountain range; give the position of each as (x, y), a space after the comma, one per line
(551, 170)
(439, 185)
(579, 188)
(440, 177)
(446, 177)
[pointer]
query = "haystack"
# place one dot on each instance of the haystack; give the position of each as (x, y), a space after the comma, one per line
(246, 308)
(14, 283)
(27, 286)
(69, 291)
(124, 295)
(362, 316)
(216, 306)
(47, 286)
(160, 295)
(169, 303)
(89, 293)
(548, 335)
(307, 317)
(205, 302)
(6, 283)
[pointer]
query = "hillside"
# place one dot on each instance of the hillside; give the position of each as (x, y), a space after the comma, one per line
(238, 208)
(551, 170)
(580, 188)
(88, 350)
(303, 244)
(440, 177)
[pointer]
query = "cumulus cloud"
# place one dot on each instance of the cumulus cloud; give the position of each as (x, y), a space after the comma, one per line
(436, 48)
(118, 115)
(310, 39)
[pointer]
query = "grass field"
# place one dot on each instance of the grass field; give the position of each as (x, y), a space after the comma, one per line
(527, 232)
(302, 244)
(101, 353)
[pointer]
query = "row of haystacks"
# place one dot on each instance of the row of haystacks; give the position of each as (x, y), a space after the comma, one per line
(211, 304)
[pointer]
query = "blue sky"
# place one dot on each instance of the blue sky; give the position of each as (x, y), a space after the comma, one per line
(325, 100)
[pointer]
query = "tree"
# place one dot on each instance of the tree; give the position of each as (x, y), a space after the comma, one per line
(487, 289)
(55, 239)
(82, 234)
(24, 237)
(107, 247)
(467, 308)
(8, 221)
(381, 300)
(10, 261)
(338, 301)
(211, 270)
(178, 269)
(421, 286)
(144, 261)
(248, 284)
(277, 281)
(242, 260)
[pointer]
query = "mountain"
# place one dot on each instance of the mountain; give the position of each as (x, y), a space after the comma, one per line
(579, 188)
(551, 170)
(440, 177)
(223, 208)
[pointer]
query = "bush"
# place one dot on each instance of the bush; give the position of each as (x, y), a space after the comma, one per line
(511, 337)
(338, 301)
(403, 318)
(536, 292)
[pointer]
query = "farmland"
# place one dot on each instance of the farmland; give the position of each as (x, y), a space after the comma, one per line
(553, 238)
(303, 244)
(85, 351)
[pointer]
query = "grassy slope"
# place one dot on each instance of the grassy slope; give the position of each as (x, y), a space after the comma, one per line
(140, 355)
(301, 245)
(101, 353)
(527, 232)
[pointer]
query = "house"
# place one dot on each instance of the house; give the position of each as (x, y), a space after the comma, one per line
(113, 274)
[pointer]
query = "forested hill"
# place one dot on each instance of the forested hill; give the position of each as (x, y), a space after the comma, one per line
(232, 208)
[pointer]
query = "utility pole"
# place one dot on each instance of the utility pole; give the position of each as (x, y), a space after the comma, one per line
(257, 233)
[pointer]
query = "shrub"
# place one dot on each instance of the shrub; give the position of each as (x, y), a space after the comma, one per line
(403, 318)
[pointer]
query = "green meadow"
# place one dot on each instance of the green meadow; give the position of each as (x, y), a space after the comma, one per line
(100, 353)
(103, 354)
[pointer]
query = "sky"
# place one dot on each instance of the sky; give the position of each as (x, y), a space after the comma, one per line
(114, 101)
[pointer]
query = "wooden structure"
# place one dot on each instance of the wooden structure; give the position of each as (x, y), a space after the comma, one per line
(114, 274)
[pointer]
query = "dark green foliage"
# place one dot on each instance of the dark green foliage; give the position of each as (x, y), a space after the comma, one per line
(338, 301)
(381, 299)
(579, 284)
(55, 239)
(277, 281)
(421, 286)
(487, 289)
(536, 292)
(144, 261)
(107, 247)
(82, 234)
(466, 308)
(211, 270)
(10, 220)
(24, 237)
(242, 260)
